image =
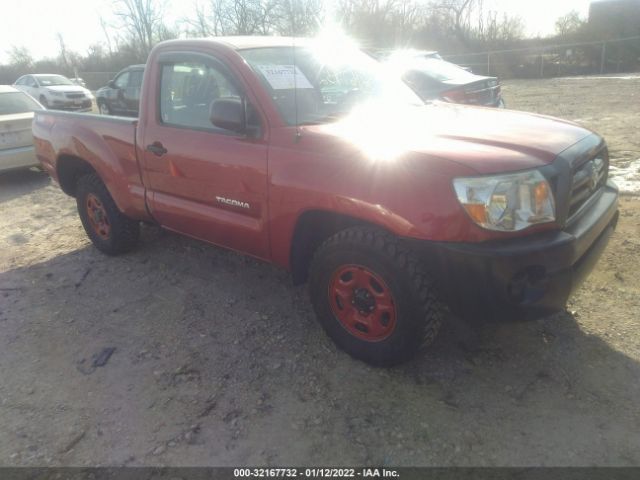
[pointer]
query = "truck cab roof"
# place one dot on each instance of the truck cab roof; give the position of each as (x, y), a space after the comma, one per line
(241, 42)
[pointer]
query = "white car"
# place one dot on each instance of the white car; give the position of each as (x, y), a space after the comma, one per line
(56, 92)
(16, 140)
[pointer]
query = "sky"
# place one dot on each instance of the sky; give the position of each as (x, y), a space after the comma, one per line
(35, 24)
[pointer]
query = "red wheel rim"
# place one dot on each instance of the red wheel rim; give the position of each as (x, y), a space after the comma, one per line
(98, 216)
(362, 302)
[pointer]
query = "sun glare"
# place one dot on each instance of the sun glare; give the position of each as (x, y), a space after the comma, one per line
(380, 141)
(332, 46)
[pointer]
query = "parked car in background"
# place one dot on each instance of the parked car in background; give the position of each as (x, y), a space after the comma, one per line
(383, 55)
(79, 81)
(433, 78)
(16, 141)
(426, 54)
(121, 96)
(55, 91)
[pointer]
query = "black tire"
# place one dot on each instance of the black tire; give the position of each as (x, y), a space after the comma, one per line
(43, 101)
(104, 109)
(418, 314)
(123, 232)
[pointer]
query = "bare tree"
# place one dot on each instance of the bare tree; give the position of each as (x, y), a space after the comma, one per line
(205, 22)
(458, 14)
(570, 24)
(408, 16)
(63, 51)
(105, 30)
(298, 17)
(473, 25)
(142, 20)
(255, 17)
(380, 22)
(20, 57)
(247, 17)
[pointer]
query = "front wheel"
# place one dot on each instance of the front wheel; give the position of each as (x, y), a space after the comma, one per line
(43, 101)
(104, 108)
(108, 228)
(373, 297)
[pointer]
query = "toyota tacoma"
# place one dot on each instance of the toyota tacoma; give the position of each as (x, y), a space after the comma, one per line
(311, 156)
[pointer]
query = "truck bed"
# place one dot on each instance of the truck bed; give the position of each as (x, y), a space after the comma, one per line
(107, 144)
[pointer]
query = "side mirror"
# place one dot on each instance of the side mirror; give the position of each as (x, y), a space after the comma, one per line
(228, 113)
(111, 84)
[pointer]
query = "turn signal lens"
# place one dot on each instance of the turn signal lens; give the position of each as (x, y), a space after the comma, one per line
(477, 212)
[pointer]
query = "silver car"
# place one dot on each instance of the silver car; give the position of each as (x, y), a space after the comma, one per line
(56, 91)
(16, 140)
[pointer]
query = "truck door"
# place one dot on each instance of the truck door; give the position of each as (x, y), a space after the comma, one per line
(202, 180)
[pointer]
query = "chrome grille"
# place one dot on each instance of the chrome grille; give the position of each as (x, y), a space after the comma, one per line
(75, 95)
(588, 177)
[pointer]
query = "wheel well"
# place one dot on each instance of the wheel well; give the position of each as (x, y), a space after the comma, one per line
(313, 228)
(70, 169)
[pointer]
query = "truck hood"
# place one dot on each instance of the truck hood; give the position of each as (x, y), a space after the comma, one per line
(486, 140)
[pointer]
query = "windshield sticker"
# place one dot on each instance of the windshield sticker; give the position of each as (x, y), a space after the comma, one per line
(284, 77)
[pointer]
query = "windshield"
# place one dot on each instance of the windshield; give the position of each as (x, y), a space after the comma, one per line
(441, 70)
(324, 85)
(17, 102)
(53, 80)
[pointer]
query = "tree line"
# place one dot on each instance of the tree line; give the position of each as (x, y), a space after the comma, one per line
(450, 26)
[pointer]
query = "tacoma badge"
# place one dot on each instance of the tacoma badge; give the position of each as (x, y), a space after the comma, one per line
(233, 203)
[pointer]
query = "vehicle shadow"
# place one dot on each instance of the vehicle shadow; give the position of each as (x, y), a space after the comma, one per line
(228, 350)
(16, 183)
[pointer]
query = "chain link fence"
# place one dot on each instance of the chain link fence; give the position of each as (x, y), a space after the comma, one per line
(586, 58)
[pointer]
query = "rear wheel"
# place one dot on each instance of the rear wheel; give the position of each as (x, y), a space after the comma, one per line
(108, 228)
(373, 297)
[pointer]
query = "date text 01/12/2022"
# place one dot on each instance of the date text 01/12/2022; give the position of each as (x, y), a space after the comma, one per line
(315, 473)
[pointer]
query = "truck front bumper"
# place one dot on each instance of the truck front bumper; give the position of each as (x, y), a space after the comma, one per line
(529, 276)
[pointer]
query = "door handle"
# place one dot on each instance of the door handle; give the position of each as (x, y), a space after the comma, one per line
(157, 149)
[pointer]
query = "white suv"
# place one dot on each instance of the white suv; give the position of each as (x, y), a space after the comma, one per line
(56, 91)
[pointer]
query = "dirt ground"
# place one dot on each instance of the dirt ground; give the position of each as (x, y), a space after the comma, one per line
(219, 361)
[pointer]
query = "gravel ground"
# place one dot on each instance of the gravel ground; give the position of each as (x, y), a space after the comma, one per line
(218, 360)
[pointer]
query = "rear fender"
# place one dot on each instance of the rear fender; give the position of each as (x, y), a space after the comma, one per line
(110, 155)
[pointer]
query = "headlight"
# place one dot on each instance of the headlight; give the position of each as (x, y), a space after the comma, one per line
(55, 93)
(507, 202)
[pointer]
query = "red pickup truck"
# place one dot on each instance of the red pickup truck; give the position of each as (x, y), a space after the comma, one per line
(312, 157)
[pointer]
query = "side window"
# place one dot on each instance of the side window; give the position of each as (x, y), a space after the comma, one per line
(20, 81)
(135, 78)
(29, 81)
(122, 80)
(187, 90)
